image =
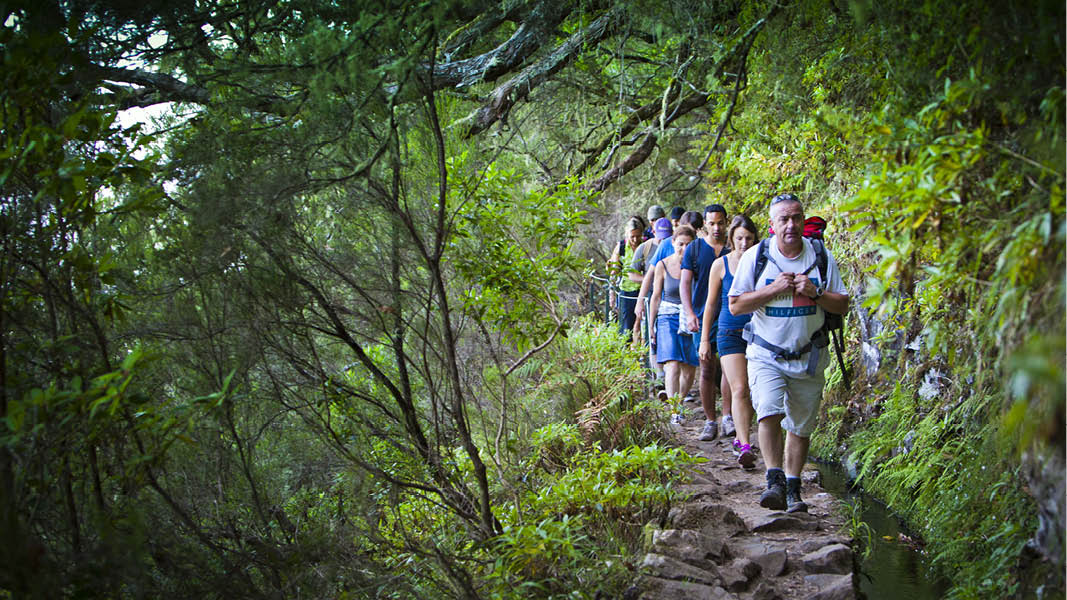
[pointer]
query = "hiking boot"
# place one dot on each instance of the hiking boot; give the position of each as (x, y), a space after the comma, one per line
(774, 496)
(677, 419)
(692, 396)
(728, 426)
(710, 431)
(745, 457)
(792, 496)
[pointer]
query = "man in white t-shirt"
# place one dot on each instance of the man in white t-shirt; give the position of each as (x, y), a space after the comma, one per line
(787, 351)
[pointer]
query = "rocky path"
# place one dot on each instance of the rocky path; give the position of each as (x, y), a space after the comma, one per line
(719, 543)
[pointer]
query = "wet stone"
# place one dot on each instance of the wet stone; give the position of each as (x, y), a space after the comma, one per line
(765, 591)
(836, 558)
(811, 477)
(820, 543)
(740, 486)
(699, 491)
(711, 518)
(831, 587)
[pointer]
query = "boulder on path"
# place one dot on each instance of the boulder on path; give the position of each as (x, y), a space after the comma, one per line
(655, 588)
(821, 542)
(836, 558)
(668, 567)
(770, 558)
(737, 575)
(780, 521)
(688, 545)
(766, 591)
(831, 587)
(712, 519)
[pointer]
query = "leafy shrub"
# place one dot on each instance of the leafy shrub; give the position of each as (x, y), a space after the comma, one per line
(574, 530)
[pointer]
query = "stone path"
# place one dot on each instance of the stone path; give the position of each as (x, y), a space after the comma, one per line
(720, 543)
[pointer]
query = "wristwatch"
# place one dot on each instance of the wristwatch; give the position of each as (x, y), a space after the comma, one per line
(818, 292)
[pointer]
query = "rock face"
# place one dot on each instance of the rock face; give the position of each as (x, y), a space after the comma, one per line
(719, 543)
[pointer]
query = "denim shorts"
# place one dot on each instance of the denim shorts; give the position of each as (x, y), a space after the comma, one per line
(730, 341)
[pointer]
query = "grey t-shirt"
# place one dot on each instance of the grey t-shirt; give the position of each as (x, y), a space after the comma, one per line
(642, 254)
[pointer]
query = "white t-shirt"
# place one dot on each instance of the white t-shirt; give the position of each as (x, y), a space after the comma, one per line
(788, 320)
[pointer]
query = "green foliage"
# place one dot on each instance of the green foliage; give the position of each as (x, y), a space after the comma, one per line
(959, 485)
(571, 535)
(931, 135)
(859, 531)
(595, 375)
(514, 247)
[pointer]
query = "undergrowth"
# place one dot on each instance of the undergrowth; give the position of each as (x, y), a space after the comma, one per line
(573, 496)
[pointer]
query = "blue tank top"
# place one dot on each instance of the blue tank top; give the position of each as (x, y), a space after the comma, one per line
(670, 287)
(726, 319)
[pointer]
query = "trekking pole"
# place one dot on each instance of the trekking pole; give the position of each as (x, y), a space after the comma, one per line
(839, 345)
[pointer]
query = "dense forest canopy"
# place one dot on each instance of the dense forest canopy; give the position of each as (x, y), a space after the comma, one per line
(314, 330)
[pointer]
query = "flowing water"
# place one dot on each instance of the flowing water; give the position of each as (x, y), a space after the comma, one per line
(895, 568)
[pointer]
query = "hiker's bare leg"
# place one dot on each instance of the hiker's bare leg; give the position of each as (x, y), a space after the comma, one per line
(796, 454)
(708, 388)
(670, 377)
(685, 378)
(770, 440)
(727, 396)
(734, 369)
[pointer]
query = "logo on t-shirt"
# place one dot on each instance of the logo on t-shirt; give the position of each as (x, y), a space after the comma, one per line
(795, 305)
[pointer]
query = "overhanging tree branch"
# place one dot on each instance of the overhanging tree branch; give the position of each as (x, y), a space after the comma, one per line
(504, 97)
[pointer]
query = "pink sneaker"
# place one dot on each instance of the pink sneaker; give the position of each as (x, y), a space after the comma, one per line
(745, 457)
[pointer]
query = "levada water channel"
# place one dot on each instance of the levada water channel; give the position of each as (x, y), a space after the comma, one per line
(894, 568)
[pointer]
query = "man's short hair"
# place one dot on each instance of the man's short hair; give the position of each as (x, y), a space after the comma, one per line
(712, 208)
(677, 212)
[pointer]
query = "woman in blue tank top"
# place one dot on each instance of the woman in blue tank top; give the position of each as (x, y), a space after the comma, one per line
(742, 235)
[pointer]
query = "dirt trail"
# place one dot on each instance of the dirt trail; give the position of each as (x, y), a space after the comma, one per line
(720, 543)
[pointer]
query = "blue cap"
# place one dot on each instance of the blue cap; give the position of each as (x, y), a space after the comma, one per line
(663, 229)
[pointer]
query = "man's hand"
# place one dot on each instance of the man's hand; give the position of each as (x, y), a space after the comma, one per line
(804, 286)
(784, 282)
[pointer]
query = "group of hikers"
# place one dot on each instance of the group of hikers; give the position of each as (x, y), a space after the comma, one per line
(751, 315)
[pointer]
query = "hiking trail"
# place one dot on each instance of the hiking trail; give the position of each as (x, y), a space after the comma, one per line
(719, 543)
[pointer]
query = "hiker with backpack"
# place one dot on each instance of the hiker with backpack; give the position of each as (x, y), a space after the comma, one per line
(665, 249)
(642, 263)
(790, 284)
(675, 352)
(696, 266)
(626, 279)
(729, 341)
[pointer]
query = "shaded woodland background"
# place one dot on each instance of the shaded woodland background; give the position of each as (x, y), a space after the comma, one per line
(315, 331)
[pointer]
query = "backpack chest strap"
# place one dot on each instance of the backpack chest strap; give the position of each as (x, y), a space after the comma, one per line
(818, 342)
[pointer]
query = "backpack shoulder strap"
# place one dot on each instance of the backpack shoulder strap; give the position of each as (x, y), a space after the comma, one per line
(761, 262)
(821, 261)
